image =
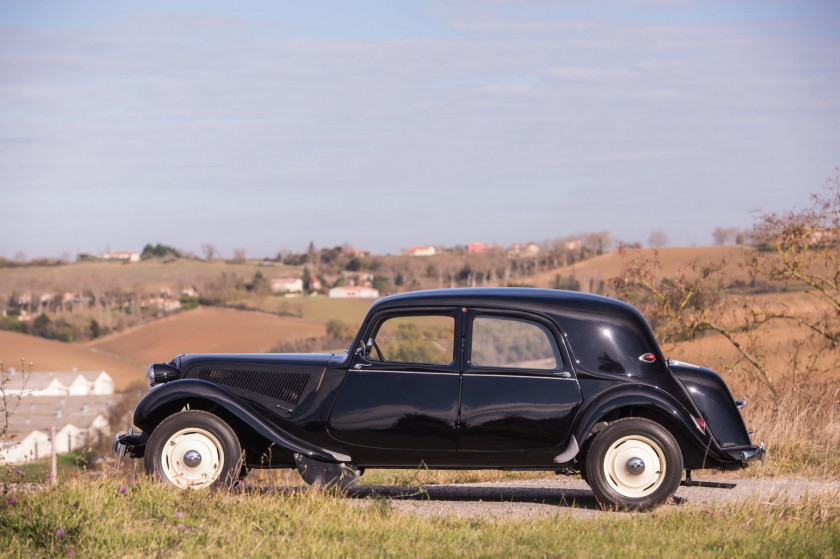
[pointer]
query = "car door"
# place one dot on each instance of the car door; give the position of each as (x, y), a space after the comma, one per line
(402, 393)
(518, 390)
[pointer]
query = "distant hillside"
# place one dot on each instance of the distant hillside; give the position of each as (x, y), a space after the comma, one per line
(206, 330)
(605, 266)
(49, 355)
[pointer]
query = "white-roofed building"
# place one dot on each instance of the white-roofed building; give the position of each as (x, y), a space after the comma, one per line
(39, 384)
(79, 421)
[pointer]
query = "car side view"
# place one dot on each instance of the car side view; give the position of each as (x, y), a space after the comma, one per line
(488, 378)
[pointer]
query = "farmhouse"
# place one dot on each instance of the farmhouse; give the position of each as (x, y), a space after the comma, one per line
(422, 251)
(79, 421)
(96, 383)
(125, 255)
(361, 292)
(287, 285)
(528, 249)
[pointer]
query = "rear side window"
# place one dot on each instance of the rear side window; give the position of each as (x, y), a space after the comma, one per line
(606, 345)
(513, 343)
(415, 339)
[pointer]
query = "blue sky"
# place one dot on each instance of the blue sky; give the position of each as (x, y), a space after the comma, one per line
(264, 125)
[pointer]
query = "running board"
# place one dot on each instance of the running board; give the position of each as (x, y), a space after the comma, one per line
(688, 482)
(712, 484)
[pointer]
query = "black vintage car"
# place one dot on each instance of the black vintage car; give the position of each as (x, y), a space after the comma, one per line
(513, 379)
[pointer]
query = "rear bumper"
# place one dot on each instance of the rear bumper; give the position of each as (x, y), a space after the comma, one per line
(752, 454)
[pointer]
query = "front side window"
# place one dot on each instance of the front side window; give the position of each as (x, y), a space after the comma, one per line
(513, 343)
(415, 339)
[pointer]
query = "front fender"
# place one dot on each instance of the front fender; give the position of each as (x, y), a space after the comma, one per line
(147, 415)
(640, 396)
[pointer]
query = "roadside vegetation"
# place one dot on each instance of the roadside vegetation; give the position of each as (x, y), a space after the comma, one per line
(108, 517)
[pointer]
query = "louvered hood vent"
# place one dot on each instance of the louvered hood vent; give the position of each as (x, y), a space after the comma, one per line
(280, 385)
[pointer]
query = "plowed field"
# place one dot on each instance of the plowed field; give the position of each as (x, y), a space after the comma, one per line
(206, 330)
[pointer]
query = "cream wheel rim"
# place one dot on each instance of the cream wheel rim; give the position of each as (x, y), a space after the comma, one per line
(634, 466)
(192, 458)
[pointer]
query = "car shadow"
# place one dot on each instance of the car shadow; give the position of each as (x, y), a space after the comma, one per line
(562, 497)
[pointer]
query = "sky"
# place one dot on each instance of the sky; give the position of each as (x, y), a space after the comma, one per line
(267, 125)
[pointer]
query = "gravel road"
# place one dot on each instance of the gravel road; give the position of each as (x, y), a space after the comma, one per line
(550, 496)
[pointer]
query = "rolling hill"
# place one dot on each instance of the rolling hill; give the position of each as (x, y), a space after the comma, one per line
(605, 266)
(205, 330)
(125, 355)
(50, 355)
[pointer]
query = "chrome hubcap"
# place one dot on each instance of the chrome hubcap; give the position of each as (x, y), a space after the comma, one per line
(192, 458)
(635, 466)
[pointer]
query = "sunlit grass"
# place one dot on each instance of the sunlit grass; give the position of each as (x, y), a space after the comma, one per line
(111, 517)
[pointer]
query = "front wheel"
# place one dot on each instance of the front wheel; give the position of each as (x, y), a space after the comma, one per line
(193, 450)
(634, 463)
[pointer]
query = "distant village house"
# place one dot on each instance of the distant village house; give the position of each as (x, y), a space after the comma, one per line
(422, 251)
(75, 403)
(360, 292)
(126, 255)
(287, 285)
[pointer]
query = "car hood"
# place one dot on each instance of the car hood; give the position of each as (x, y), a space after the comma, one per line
(188, 361)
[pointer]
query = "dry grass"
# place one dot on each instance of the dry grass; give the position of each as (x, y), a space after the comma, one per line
(603, 267)
(802, 430)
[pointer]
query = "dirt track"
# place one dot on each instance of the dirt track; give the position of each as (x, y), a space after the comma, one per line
(536, 497)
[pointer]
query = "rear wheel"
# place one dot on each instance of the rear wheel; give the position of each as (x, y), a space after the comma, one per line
(193, 450)
(634, 463)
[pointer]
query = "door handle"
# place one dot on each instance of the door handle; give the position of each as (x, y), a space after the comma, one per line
(358, 366)
(564, 374)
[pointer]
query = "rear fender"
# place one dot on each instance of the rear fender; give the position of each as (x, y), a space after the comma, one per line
(161, 401)
(648, 401)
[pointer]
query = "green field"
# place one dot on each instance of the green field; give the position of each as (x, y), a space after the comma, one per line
(321, 309)
(109, 517)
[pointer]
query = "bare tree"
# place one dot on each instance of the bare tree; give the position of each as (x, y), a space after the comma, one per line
(210, 252)
(239, 255)
(724, 235)
(658, 239)
(797, 248)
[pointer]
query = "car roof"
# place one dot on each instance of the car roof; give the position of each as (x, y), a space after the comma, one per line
(508, 297)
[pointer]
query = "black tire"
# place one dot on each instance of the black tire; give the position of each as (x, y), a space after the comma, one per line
(211, 444)
(619, 483)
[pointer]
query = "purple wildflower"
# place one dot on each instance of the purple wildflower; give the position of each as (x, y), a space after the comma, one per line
(179, 514)
(180, 526)
(18, 472)
(59, 532)
(69, 553)
(122, 489)
(49, 476)
(12, 501)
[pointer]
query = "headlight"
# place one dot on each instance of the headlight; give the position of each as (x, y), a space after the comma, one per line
(161, 372)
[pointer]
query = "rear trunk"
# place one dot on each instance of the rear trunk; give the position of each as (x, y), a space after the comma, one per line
(712, 397)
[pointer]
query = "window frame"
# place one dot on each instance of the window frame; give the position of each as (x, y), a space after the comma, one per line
(379, 320)
(561, 356)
